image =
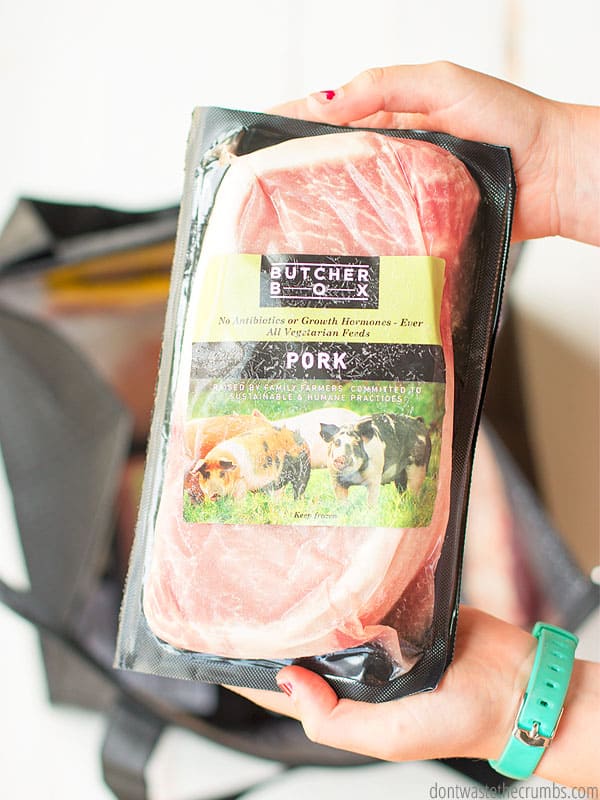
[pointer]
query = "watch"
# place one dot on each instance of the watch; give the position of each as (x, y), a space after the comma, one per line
(542, 703)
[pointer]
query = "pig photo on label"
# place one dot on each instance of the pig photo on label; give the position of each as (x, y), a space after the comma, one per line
(265, 459)
(381, 448)
(234, 455)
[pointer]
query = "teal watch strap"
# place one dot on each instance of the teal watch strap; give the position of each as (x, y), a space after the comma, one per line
(542, 704)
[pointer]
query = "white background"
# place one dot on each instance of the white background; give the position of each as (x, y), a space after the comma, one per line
(95, 102)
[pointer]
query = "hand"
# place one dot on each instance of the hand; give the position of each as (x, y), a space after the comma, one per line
(553, 144)
(470, 714)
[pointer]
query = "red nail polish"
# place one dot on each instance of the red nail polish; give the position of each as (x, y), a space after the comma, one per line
(326, 95)
(286, 688)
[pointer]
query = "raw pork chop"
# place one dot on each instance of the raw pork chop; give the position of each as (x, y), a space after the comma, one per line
(285, 592)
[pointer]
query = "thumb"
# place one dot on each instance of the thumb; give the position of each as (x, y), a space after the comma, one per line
(314, 701)
(367, 728)
(422, 89)
(341, 106)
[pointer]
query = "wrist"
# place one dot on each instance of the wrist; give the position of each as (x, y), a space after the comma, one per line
(572, 757)
(510, 693)
(503, 655)
(549, 689)
(578, 172)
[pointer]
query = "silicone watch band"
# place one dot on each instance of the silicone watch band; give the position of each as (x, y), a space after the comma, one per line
(542, 704)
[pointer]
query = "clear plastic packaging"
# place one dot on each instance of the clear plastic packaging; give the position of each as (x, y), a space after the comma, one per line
(334, 301)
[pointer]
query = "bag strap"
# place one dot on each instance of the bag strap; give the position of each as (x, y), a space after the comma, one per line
(132, 734)
(130, 740)
(23, 603)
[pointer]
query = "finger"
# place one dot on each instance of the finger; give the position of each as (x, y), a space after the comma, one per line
(416, 89)
(313, 699)
(305, 696)
(344, 724)
(393, 731)
(378, 93)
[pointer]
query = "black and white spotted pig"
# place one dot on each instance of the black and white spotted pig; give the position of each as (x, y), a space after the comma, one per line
(264, 459)
(380, 448)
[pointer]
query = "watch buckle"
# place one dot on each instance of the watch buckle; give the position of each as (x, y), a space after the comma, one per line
(532, 737)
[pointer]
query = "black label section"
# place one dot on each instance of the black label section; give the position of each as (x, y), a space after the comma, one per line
(339, 361)
(311, 281)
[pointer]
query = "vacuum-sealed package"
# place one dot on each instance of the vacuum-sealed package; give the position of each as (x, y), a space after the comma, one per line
(333, 305)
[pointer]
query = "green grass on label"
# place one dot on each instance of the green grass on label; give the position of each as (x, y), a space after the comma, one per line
(319, 506)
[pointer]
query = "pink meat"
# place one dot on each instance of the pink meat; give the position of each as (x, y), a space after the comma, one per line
(285, 592)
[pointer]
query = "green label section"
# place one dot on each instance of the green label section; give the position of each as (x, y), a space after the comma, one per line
(299, 452)
(409, 301)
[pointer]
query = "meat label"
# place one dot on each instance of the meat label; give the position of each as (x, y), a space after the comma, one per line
(319, 281)
(316, 392)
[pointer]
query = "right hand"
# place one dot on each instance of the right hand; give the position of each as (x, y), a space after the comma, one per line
(553, 144)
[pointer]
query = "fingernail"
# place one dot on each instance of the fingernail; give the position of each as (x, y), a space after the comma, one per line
(286, 688)
(324, 96)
